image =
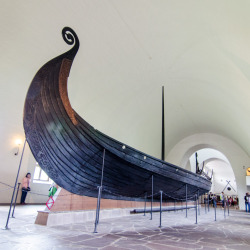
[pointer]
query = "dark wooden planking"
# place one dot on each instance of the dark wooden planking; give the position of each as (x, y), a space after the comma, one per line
(70, 150)
(138, 156)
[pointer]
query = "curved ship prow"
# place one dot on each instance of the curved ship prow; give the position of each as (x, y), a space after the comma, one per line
(70, 150)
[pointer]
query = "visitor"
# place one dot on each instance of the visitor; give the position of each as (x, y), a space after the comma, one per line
(25, 187)
(53, 189)
(247, 202)
(222, 198)
(210, 197)
(236, 200)
(214, 198)
(248, 199)
(233, 201)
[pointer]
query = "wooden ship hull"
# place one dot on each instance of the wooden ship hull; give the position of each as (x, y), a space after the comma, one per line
(71, 151)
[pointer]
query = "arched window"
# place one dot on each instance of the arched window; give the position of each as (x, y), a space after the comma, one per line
(40, 176)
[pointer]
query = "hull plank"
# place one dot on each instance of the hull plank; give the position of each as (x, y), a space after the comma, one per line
(70, 150)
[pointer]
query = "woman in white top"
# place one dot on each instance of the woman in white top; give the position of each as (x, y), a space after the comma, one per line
(25, 187)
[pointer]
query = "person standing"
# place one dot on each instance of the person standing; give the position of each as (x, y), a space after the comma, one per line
(214, 198)
(53, 189)
(210, 197)
(25, 187)
(222, 198)
(246, 201)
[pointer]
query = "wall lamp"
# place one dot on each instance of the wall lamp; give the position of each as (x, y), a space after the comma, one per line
(18, 143)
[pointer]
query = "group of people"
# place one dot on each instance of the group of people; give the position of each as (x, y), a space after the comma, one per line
(214, 199)
(247, 202)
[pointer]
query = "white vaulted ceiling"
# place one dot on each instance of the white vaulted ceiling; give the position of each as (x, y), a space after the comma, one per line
(198, 50)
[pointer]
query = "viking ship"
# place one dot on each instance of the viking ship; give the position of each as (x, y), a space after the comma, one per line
(80, 158)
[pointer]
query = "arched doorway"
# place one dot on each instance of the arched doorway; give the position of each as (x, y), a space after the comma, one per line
(182, 151)
(215, 164)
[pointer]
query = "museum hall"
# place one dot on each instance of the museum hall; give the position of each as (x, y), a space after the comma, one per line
(125, 124)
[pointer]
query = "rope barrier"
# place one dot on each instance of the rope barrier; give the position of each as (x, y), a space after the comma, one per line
(190, 198)
(149, 196)
(31, 192)
(5, 184)
(174, 198)
(2, 190)
(103, 190)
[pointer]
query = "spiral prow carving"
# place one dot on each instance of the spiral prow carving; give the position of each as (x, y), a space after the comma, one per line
(71, 38)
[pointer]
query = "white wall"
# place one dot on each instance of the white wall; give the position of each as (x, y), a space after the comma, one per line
(8, 173)
(182, 151)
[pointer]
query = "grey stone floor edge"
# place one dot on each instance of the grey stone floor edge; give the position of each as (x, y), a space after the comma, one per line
(132, 232)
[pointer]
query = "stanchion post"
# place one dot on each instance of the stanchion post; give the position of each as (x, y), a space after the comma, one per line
(208, 203)
(97, 209)
(166, 203)
(215, 205)
(205, 201)
(20, 163)
(15, 201)
(198, 202)
(186, 199)
(152, 198)
(160, 208)
(145, 204)
(225, 204)
(196, 212)
(99, 195)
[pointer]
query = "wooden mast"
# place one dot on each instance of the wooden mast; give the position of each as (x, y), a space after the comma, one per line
(163, 129)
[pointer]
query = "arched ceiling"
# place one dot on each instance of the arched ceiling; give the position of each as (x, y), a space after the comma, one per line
(199, 50)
